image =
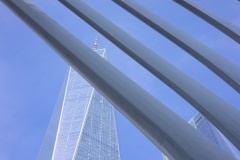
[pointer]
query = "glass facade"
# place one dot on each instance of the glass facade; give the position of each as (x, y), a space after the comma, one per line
(74, 108)
(86, 127)
(200, 123)
(99, 138)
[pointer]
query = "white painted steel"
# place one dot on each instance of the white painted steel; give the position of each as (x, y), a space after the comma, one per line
(225, 117)
(165, 129)
(228, 29)
(222, 67)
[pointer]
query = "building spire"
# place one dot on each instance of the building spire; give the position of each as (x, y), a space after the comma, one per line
(95, 44)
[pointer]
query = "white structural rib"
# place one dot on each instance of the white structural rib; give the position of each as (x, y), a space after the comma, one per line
(175, 137)
(229, 72)
(230, 30)
(225, 117)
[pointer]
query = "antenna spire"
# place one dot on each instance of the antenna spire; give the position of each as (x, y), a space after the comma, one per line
(95, 44)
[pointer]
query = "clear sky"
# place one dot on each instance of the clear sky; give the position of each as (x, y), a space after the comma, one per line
(32, 73)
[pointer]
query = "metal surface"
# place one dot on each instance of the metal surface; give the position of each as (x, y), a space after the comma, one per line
(226, 70)
(230, 30)
(225, 117)
(164, 128)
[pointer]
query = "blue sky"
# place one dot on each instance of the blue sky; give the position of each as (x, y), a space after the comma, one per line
(32, 73)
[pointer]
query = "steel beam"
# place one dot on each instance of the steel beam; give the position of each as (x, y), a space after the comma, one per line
(226, 70)
(165, 129)
(225, 117)
(230, 30)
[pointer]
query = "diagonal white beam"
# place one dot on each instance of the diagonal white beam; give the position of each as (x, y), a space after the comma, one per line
(225, 117)
(230, 30)
(225, 69)
(164, 128)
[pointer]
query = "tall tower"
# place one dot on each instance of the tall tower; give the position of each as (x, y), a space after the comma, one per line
(200, 123)
(86, 127)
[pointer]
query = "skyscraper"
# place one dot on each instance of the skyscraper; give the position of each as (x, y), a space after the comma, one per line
(200, 123)
(83, 123)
